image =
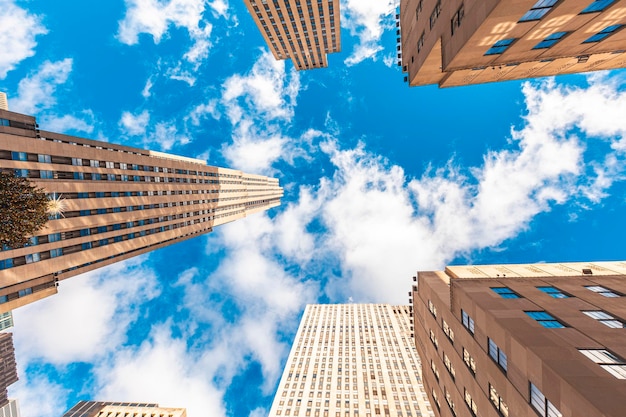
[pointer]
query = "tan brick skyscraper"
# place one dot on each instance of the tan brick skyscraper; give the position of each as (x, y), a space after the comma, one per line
(115, 409)
(302, 30)
(352, 360)
(119, 202)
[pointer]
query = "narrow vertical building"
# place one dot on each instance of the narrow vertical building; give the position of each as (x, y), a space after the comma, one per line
(117, 202)
(8, 366)
(523, 340)
(352, 360)
(118, 409)
(4, 103)
(461, 42)
(302, 30)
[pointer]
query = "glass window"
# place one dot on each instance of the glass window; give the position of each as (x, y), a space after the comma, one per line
(597, 6)
(44, 158)
(505, 292)
(77, 161)
(602, 291)
(500, 46)
(497, 354)
(85, 232)
(24, 292)
(56, 252)
(46, 174)
(469, 361)
(605, 318)
(542, 405)
(545, 319)
(19, 156)
(553, 292)
(21, 173)
(32, 257)
(550, 40)
(86, 245)
(539, 10)
(6, 263)
(55, 237)
(603, 34)
(79, 176)
(468, 322)
(498, 402)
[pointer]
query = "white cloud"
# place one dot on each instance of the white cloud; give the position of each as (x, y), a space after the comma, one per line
(135, 124)
(366, 20)
(87, 318)
(18, 30)
(37, 91)
(259, 105)
(166, 136)
(147, 89)
(68, 123)
(201, 111)
(155, 17)
(38, 396)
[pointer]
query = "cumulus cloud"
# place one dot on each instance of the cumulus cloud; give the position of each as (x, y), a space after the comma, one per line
(37, 91)
(259, 105)
(135, 124)
(155, 17)
(38, 396)
(367, 20)
(69, 123)
(163, 135)
(18, 33)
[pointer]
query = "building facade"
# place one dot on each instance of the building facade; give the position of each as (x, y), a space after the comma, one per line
(303, 31)
(8, 366)
(4, 103)
(523, 340)
(12, 409)
(117, 409)
(352, 360)
(118, 202)
(461, 42)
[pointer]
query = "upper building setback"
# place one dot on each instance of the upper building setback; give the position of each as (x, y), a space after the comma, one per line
(461, 42)
(116, 409)
(118, 201)
(303, 30)
(352, 360)
(523, 340)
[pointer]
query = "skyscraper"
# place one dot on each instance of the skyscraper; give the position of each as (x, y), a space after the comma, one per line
(304, 31)
(352, 360)
(8, 367)
(12, 409)
(119, 202)
(4, 103)
(116, 409)
(523, 340)
(460, 42)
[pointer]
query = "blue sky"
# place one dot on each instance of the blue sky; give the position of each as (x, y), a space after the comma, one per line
(380, 180)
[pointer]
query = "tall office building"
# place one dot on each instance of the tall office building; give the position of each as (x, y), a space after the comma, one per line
(12, 409)
(4, 103)
(119, 202)
(352, 360)
(8, 367)
(304, 31)
(116, 409)
(523, 340)
(460, 42)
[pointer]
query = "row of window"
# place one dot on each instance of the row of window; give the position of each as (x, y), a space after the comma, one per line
(554, 292)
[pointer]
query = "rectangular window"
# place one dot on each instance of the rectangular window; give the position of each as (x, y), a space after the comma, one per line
(86, 245)
(55, 237)
(448, 331)
(497, 354)
(432, 308)
(32, 257)
(545, 319)
(77, 161)
(553, 292)
(470, 403)
(44, 158)
(500, 46)
(433, 339)
(24, 292)
(418, 9)
(435, 14)
(449, 400)
(602, 291)
(433, 367)
(603, 34)
(505, 292)
(539, 402)
(539, 10)
(610, 362)
(498, 402)
(468, 322)
(6, 263)
(79, 176)
(420, 42)
(56, 252)
(605, 318)
(457, 19)
(469, 361)
(597, 6)
(21, 173)
(449, 366)
(19, 156)
(551, 40)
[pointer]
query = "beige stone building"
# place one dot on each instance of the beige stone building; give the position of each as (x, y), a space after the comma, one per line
(301, 30)
(116, 409)
(523, 340)
(119, 202)
(4, 103)
(352, 360)
(460, 42)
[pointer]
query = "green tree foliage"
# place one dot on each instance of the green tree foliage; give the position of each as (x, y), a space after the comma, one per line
(23, 210)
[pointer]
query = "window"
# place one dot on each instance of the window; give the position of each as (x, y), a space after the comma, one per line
(500, 46)
(553, 292)
(603, 34)
(86, 245)
(468, 322)
(420, 42)
(539, 10)
(498, 402)
(505, 292)
(6, 263)
(418, 9)
(469, 361)
(457, 18)
(56, 252)
(545, 319)
(32, 257)
(449, 401)
(79, 176)
(436, 398)
(597, 6)
(497, 355)
(610, 362)
(21, 173)
(470, 403)
(448, 331)
(433, 339)
(77, 161)
(44, 158)
(605, 318)
(435, 14)
(24, 292)
(19, 156)
(539, 402)
(85, 232)
(55, 237)
(433, 367)
(432, 308)
(602, 291)
(449, 366)
(551, 40)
